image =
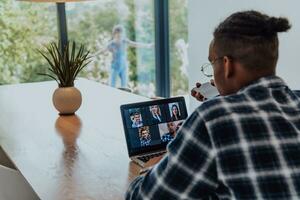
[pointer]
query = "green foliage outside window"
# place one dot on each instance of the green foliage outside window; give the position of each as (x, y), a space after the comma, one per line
(178, 30)
(25, 27)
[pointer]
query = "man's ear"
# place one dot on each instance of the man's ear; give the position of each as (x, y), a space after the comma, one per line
(228, 67)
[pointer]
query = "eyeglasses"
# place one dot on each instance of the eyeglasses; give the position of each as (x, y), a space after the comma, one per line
(207, 68)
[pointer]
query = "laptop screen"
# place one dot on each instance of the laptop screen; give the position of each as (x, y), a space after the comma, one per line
(150, 126)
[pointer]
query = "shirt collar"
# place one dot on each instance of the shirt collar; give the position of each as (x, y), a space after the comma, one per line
(266, 81)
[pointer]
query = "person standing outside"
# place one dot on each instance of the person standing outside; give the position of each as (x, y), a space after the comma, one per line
(117, 46)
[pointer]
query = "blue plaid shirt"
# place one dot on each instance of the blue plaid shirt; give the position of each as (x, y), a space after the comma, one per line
(241, 146)
(167, 137)
(145, 142)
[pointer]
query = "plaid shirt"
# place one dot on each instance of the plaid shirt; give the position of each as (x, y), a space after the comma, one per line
(167, 137)
(145, 142)
(241, 146)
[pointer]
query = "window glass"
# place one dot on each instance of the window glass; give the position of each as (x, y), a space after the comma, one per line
(120, 35)
(24, 28)
(178, 34)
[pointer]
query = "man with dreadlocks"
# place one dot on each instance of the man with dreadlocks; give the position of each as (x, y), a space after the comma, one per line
(244, 144)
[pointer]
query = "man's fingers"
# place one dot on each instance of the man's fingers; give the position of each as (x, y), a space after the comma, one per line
(199, 96)
(193, 93)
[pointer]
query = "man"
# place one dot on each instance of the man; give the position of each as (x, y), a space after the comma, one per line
(244, 144)
(144, 135)
(136, 120)
(172, 128)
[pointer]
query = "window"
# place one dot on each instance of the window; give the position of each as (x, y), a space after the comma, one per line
(24, 27)
(178, 41)
(120, 33)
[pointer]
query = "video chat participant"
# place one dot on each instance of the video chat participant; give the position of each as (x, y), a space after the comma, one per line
(156, 115)
(172, 128)
(145, 136)
(175, 113)
(245, 143)
(136, 119)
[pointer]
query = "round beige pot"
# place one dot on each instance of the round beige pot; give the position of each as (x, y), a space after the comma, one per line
(66, 100)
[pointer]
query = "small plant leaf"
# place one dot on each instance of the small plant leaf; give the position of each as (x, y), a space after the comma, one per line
(65, 66)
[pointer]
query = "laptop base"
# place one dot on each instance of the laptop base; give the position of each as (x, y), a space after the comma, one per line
(143, 159)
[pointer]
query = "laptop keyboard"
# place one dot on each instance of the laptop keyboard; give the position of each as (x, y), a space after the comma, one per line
(148, 157)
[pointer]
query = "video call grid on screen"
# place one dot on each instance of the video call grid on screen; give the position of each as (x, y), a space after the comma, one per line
(152, 125)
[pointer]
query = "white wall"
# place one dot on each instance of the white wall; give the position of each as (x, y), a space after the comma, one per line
(205, 15)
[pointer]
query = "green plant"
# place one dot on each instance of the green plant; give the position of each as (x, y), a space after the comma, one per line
(64, 67)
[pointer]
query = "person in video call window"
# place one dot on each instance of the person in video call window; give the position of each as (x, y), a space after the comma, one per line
(144, 135)
(243, 144)
(175, 115)
(172, 128)
(156, 116)
(136, 120)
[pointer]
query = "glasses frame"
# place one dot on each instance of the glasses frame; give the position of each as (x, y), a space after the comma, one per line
(209, 65)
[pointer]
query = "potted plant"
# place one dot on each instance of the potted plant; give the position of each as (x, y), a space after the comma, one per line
(64, 68)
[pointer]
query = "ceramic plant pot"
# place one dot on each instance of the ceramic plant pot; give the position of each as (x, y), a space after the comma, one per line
(66, 100)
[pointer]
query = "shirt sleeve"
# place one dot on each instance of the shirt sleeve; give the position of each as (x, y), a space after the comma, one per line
(297, 92)
(188, 171)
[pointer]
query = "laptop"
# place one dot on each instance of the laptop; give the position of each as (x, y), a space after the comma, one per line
(150, 126)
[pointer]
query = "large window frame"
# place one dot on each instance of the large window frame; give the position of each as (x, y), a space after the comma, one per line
(162, 51)
(162, 56)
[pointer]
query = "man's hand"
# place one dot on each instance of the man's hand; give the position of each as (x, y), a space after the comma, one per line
(198, 95)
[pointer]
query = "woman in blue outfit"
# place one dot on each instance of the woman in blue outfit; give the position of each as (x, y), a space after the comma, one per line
(118, 47)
